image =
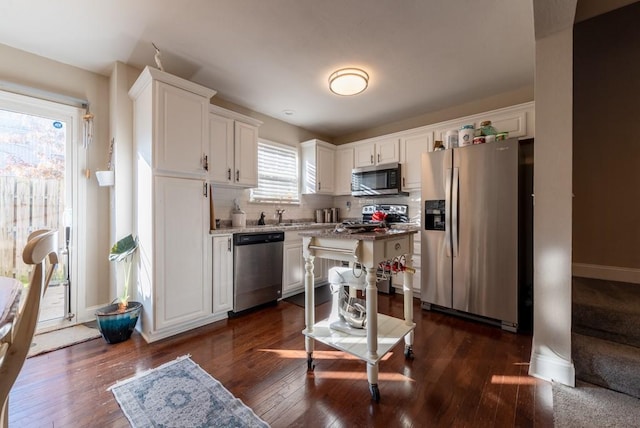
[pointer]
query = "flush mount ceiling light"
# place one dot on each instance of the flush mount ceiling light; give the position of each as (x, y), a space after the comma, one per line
(348, 81)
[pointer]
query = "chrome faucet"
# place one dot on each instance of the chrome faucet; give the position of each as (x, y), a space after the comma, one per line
(280, 212)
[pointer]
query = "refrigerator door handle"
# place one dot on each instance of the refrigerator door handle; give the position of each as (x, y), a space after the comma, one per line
(447, 212)
(454, 212)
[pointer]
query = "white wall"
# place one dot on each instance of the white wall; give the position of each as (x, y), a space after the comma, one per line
(30, 70)
(551, 348)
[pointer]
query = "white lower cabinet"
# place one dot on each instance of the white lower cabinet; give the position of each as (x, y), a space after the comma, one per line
(293, 266)
(174, 279)
(222, 285)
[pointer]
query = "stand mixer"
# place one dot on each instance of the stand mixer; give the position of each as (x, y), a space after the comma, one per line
(348, 312)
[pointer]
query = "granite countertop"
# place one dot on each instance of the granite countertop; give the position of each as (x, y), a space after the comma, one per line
(341, 233)
(283, 227)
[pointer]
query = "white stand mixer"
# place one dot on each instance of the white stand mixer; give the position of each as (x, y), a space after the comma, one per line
(348, 313)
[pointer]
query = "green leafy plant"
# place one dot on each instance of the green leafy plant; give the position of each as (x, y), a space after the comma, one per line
(122, 253)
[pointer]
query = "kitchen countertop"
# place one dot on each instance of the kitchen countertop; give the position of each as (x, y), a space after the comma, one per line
(283, 227)
(363, 236)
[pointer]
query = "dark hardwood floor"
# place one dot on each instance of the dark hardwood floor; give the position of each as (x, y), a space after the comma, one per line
(464, 374)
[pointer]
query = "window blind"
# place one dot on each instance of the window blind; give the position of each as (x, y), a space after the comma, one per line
(277, 174)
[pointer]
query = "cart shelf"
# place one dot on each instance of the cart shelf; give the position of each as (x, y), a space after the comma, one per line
(390, 331)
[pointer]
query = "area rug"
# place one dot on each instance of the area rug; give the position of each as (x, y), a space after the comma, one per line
(322, 295)
(58, 339)
(588, 405)
(181, 394)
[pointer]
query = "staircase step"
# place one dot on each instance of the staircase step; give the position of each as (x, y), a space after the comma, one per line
(609, 364)
(609, 310)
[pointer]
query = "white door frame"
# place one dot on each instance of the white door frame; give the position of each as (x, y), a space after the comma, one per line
(76, 155)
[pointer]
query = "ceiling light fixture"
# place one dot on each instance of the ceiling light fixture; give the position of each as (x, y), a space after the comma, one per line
(348, 81)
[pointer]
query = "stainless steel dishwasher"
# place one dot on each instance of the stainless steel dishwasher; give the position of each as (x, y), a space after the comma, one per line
(257, 269)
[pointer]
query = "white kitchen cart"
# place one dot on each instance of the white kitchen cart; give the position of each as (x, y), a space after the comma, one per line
(382, 332)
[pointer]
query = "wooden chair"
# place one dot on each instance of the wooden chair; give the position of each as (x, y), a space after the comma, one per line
(41, 247)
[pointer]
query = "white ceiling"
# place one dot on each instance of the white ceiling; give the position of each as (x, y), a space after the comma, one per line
(276, 55)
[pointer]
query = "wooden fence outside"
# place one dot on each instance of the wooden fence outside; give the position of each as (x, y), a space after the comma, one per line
(26, 204)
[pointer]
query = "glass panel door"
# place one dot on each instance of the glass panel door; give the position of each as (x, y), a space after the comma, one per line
(35, 194)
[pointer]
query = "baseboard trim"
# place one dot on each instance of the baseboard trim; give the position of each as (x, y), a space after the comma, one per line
(551, 368)
(610, 273)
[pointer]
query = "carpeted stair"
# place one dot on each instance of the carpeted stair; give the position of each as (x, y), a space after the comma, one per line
(606, 334)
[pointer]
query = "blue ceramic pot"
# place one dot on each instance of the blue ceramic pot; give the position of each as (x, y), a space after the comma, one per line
(117, 326)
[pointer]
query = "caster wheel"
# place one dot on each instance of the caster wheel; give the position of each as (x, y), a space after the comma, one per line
(310, 365)
(408, 353)
(375, 392)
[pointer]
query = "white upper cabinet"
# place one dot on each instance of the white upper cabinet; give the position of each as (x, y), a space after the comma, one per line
(377, 152)
(233, 148)
(411, 148)
(221, 147)
(176, 130)
(246, 154)
(344, 166)
(318, 158)
(518, 121)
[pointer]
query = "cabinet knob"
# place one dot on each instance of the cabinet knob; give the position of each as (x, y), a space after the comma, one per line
(371, 159)
(229, 244)
(205, 163)
(237, 175)
(229, 174)
(378, 157)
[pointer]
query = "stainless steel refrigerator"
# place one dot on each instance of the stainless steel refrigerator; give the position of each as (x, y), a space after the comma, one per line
(470, 231)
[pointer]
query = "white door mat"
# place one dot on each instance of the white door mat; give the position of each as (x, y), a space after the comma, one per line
(50, 341)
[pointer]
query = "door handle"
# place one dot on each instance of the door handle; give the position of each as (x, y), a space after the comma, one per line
(378, 157)
(447, 211)
(229, 174)
(229, 244)
(454, 212)
(205, 163)
(237, 175)
(204, 189)
(372, 159)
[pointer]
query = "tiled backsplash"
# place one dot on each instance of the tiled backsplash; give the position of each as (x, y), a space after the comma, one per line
(305, 211)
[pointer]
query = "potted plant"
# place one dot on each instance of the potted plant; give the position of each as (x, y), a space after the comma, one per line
(117, 321)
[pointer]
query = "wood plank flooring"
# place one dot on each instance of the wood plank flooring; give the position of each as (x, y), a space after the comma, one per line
(465, 374)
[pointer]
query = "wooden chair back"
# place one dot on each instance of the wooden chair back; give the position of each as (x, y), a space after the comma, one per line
(40, 252)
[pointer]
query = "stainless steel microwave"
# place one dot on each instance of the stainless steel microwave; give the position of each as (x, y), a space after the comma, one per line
(377, 180)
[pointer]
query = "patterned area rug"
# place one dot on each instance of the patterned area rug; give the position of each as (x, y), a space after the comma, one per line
(181, 394)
